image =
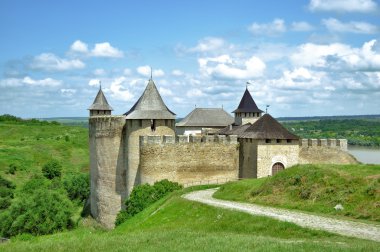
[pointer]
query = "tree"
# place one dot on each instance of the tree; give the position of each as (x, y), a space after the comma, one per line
(52, 169)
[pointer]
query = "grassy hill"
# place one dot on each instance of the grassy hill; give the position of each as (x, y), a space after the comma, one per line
(315, 188)
(175, 224)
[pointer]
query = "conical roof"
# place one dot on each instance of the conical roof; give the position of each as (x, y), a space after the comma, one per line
(100, 102)
(150, 105)
(267, 128)
(206, 117)
(247, 104)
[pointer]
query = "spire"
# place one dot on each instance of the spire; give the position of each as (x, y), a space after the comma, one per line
(151, 73)
(150, 105)
(247, 104)
(100, 102)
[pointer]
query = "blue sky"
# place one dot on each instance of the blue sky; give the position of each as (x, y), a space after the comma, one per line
(303, 58)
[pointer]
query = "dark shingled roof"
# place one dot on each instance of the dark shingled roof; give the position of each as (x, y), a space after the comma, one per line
(236, 130)
(247, 104)
(206, 117)
(100, 102)
(267, 128)
(150, 105)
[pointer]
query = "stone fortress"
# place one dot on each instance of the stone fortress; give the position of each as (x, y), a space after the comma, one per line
(141, 146)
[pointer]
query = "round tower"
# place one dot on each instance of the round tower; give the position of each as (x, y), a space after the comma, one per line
(247, 111)
(148, 116)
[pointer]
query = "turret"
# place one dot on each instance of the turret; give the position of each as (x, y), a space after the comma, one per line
(247, 111)
(100, 105)
(148, 116)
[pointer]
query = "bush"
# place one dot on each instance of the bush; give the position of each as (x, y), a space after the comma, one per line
(144, 195)
(52, 169)
(43, 212)
(77, 186)
(6, 193)
(12, 169)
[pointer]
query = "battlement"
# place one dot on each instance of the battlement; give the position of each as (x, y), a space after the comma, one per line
(333, 143)
(183, 139)
(105, 125)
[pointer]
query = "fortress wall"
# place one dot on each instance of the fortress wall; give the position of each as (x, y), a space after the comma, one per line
(186, 159)
(332, 143)
(108, 173)
(248, 158)
(270, 153)
(135, 129)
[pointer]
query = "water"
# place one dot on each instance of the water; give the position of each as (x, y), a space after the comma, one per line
(366, 155)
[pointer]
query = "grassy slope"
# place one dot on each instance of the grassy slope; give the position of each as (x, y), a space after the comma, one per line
(175, 224)
(315, 188)
(31, 146)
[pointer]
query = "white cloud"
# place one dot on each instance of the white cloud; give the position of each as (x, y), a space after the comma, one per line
(94, 82)
(106, 50)
(194, 93)
(118, 91)
(99, 71)
(51, 62)
(28, 81)
(165, 91)
(79, 47)
(334, 25)
(226, 67)
(208, 44)
(145, 71)
(68, 92)
(343, 5)
(177, 72)
(302, 26)
(276, 27)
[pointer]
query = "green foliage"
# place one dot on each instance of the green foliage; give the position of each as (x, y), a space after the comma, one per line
(43, 212)
(6, 118)
(143, 196)
(356, 131)
(77, 186)
(315, 188)
(52, 169)
(12, 169)
(6, 193)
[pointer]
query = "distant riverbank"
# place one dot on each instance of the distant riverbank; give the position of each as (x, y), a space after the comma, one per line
(366, 155)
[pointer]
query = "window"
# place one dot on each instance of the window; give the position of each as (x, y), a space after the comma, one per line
(278, 140)
(267, 140)
(288, 140)
(153, 125)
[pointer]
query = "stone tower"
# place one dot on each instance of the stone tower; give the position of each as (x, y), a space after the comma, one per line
(247, 111)
(148, 116)
(107, 161)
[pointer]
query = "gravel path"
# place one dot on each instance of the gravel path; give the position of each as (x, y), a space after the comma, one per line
(342, 227)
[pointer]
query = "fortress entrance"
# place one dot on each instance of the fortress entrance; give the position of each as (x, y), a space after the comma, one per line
(277, 167)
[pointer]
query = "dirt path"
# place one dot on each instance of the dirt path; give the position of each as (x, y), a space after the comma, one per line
(342, 227)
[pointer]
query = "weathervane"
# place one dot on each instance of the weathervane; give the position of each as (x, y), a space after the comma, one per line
(247, 83)
(266, 109)
(151, 73)
(100, 84)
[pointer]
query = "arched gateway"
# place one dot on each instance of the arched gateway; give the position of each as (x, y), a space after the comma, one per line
(277, 167)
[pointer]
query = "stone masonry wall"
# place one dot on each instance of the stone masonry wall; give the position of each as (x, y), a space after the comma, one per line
(107, 167)
(188, 159)
(270, 153)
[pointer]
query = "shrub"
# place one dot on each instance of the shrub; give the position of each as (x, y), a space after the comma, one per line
(43, 212)
(6, 193)
(77, 186)
(144, 195)
(52, 169)
(12, 169)
(6, 183)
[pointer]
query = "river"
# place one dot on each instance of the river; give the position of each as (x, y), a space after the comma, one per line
(366, 155)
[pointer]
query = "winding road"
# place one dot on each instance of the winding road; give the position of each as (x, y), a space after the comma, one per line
(342, 227)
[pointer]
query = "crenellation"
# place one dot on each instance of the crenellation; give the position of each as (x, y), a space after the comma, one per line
(182, 139)
(195, 139)
(324, 143)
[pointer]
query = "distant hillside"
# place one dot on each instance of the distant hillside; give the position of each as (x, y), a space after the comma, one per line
(314, 118)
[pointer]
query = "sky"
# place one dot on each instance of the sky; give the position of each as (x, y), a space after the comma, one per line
(300, 57)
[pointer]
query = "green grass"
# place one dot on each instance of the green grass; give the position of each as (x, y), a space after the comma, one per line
(315, 188)
(175, 224)
(30, 146)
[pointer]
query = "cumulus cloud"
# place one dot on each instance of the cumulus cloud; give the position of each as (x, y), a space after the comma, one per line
(146, 71)
(334, 25)
(127, 71)
(118, 91)
(177, 72)
(225, 67)
(276, 27)
(51, 62)
(363, 6)
(165, 91)
(68, 92)
(79, 47)
(28, 81)
(302, 26)
(94, 82)
(105, 50)
(194, 93)
(208, 44)
(99, 71)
